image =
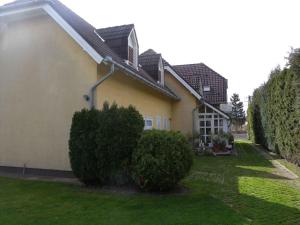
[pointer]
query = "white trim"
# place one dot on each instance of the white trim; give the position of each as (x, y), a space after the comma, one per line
(95, 31)
(136, 76)
(199, 97)
(206, 88)
(217, 110)
(162, 72)
(69, 29)
(148, 119)
(183, 82)
(158, 123)
(132, 43)
(166, 123)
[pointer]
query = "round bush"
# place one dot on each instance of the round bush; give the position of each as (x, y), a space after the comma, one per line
(161, 160)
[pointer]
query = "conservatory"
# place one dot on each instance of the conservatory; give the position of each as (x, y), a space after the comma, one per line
(210, 121)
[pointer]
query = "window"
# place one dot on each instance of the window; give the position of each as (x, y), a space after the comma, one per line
(148, 123)
(206, 88)
(210, 123)
(158, 122)
(166, 124)
(133, 49)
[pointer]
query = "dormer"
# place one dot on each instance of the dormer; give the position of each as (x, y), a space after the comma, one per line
(123, 41)
(152, 63)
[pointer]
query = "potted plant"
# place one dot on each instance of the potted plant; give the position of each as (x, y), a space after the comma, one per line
(229, 140)
(219, 143)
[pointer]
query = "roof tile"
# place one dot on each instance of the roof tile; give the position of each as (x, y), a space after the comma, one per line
(200, 75)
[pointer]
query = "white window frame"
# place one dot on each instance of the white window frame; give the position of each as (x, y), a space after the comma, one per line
(158, 122)
(211, 117)
(168, 124)
(162, 72)
(148, 127)
(206, 88)
(165, 123)
(132, 42)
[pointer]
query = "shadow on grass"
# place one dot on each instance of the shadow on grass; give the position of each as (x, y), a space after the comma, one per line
(248, 185)
(238, 190)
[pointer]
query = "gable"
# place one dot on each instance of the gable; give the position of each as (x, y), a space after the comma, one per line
(200, 77)
(47, 9)
(186, 85)
(181, 91)
(83, 33)
(183, 82)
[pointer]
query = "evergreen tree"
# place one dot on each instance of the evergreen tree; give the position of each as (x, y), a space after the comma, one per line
(237, 113)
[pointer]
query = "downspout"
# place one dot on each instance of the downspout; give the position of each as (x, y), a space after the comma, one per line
(91, 95)
(194, 120)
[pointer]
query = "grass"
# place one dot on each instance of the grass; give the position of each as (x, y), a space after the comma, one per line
(240, 190)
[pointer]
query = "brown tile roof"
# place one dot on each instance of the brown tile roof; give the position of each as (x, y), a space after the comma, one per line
(87, 31)
(197, 74)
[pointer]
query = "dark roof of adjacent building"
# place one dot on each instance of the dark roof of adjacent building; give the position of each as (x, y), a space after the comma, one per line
(87, 32)
(149, 60)
(200, 75)
(117, 38)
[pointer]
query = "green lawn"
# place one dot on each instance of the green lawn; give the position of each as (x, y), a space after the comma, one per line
(234, 190)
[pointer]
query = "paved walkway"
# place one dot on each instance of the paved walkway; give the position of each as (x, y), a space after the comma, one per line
(292, 178)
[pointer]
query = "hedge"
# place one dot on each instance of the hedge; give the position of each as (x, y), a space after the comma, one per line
(117, 136)
(101, 144)
(274, 111)
(82, 145)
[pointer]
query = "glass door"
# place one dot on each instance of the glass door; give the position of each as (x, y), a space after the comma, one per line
(206, 128)
(210, 123)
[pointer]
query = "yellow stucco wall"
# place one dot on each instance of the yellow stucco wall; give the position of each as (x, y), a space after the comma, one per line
(182, 111)
(44, 74)
(43, 77)
(124, 90)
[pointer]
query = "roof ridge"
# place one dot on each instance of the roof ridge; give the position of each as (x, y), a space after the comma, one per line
(190, 64)
(203, 64)
(149, 51)
(118, 26)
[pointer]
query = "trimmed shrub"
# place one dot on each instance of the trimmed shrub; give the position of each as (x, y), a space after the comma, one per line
(274, 112)
(117, 136)
(101, 144)
(161, 160)
(82, 145)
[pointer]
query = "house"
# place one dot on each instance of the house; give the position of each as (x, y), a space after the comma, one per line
(53, 63)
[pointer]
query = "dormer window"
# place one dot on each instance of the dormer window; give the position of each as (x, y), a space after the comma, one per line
(206, 88)
(161, 74)
(133, 49)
